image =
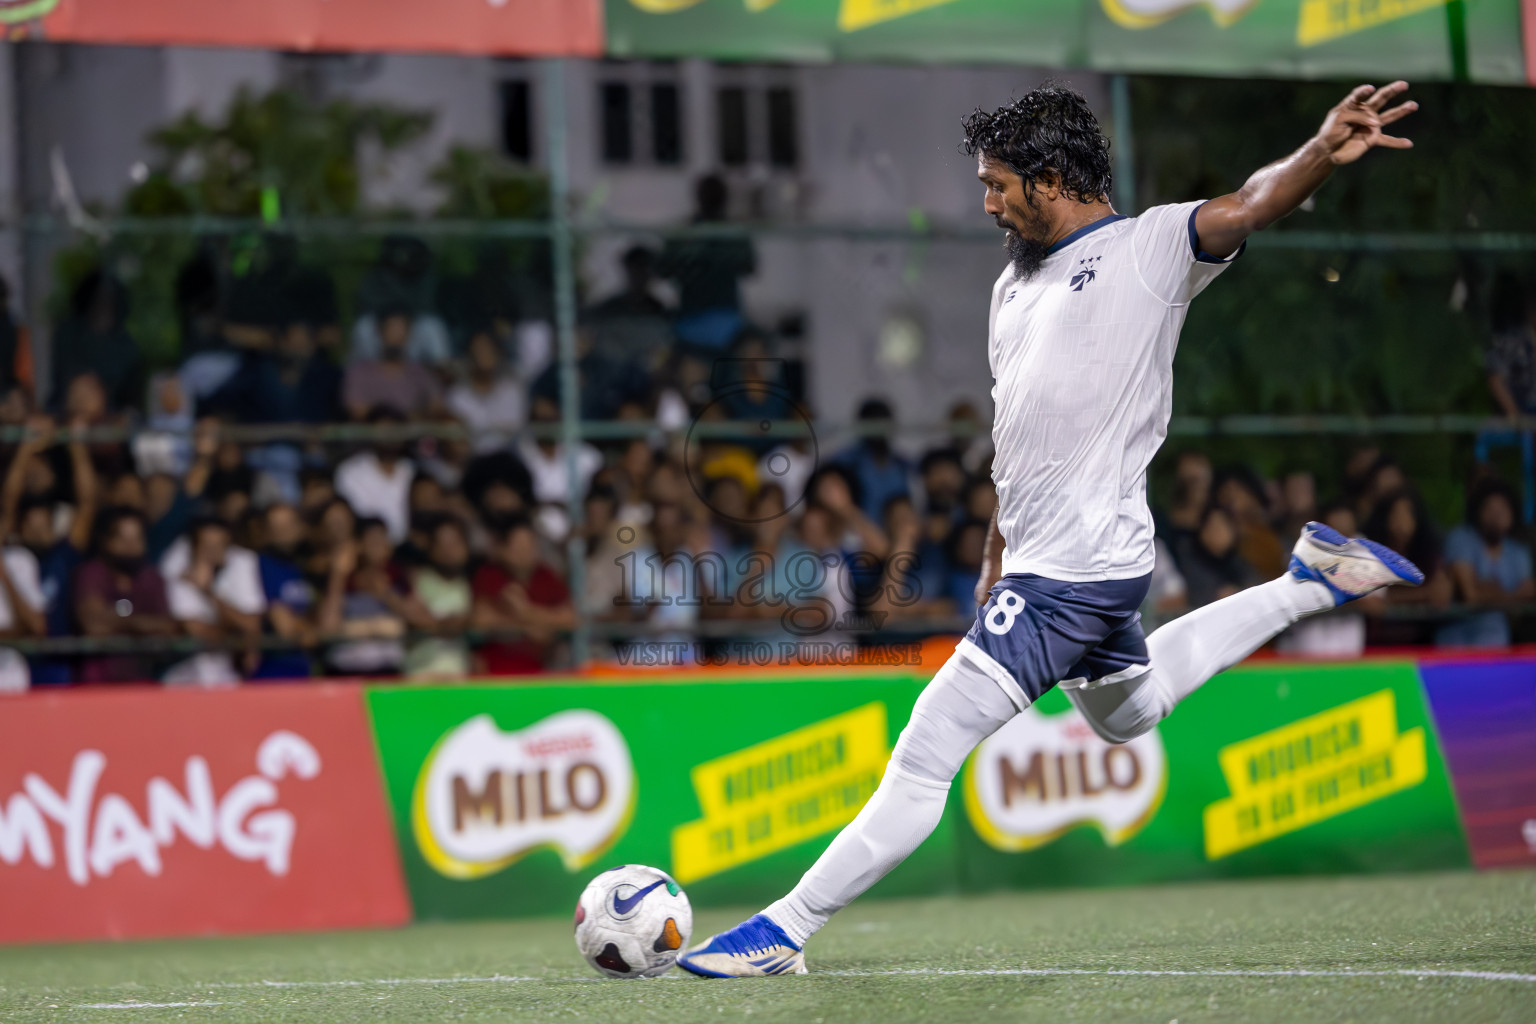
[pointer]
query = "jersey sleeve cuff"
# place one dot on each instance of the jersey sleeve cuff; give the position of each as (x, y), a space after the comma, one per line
(1200, 255)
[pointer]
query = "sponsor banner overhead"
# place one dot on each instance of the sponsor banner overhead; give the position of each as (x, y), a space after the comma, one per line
(1486, 715)
(1269, 770)
(1414, 39)
(507, 799)
(510, 27)
(153, 812)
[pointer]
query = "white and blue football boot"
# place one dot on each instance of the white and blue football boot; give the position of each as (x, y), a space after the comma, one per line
(1349, 568)
(756, 948)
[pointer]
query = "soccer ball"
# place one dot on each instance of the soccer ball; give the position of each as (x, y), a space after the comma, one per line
(631, 921)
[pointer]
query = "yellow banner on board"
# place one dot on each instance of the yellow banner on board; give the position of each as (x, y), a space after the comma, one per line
(1322, 20)
(852, 15)
(781, 792)
(1311, 770)
(856, 14)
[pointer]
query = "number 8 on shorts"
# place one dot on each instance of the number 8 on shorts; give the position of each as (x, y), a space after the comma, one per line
(1004, 613)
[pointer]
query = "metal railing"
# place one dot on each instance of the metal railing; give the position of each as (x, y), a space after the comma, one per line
(603, 630)
(788, 430)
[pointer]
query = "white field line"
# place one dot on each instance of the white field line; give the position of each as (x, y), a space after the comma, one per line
(139, 1006)
(1047, 972)
(1236, 973)
(489, 979)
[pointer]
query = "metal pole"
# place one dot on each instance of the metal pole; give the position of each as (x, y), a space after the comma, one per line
(1124, 147)
(1456, 35)
(563, 254)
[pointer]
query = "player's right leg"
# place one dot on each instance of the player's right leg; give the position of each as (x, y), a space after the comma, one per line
(962, 706)
(1327, 569)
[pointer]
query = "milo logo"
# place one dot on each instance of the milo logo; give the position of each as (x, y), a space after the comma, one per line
(1146, 13)
(485, 798)
(1041, 775)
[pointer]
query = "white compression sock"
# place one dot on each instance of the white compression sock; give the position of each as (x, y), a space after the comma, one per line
(961, 707)
(1191, 649)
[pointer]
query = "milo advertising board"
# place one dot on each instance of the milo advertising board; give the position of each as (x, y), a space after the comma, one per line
(506, 799)
(1268, 770)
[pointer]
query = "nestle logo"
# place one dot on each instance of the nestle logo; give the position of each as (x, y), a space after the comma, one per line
(557, 745)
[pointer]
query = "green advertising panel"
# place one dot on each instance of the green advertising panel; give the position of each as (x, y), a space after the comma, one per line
(1272, 770)
(1415, 39)
(507, 799)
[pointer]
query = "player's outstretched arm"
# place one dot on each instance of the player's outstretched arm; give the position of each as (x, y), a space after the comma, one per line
(1350, 130)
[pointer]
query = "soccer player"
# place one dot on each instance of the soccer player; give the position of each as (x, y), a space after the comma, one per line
(1083, 329)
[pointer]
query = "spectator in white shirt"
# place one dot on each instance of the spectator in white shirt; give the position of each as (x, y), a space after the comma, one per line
(546, 462)
(376, 482)
(213, 588)
(21, 613)
(490, 402)
(426, 336)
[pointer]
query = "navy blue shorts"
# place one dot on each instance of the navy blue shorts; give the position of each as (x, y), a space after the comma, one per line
(1039, 632)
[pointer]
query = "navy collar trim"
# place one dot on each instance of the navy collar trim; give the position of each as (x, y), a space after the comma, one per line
(1102, 222)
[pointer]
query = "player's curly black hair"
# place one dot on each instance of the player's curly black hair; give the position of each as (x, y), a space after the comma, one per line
(1049, 130)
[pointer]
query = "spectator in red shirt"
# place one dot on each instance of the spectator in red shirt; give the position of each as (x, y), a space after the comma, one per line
(120, 593)
(517, 591)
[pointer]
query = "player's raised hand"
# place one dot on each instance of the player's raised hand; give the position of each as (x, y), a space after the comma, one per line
(1355, 125)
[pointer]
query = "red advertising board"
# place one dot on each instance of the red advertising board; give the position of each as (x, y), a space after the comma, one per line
(151, 812)
(511, 27)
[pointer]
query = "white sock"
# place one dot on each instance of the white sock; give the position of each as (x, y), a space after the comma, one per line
(1191, 649)
(961, 707)
(1194, 647)
(903, 812)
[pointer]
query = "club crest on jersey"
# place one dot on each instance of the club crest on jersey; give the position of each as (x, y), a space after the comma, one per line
(1087, 270)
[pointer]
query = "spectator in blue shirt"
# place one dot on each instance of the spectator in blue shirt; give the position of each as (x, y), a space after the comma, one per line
(1489, 569)
(31, 516)
(290, 597)
(171, 502)
(879, 474)
(963, 556)
(917, 580)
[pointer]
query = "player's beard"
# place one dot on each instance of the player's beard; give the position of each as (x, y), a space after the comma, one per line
(1027, 254)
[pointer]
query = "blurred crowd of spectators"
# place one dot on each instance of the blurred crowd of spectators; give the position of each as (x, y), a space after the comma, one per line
(449, 556)
(1223, 531)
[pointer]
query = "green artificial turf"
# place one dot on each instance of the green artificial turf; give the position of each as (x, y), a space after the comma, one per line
(949, 959)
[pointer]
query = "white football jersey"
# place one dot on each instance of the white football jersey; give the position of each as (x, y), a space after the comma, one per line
(1082, 369)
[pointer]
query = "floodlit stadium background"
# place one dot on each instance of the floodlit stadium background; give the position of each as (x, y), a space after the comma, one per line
(684, 480)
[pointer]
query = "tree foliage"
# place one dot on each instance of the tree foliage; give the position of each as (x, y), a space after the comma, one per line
(1343, 330)
(311, 154)
(279, 156)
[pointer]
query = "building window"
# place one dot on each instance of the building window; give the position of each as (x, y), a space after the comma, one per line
(517, 120)
(640, 110)
(757, 118)
(666, 124)
(734, 129)
(783, 128)
(618, 136)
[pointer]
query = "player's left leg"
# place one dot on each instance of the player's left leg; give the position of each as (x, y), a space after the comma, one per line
(1327, 570)
(1028, 634)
